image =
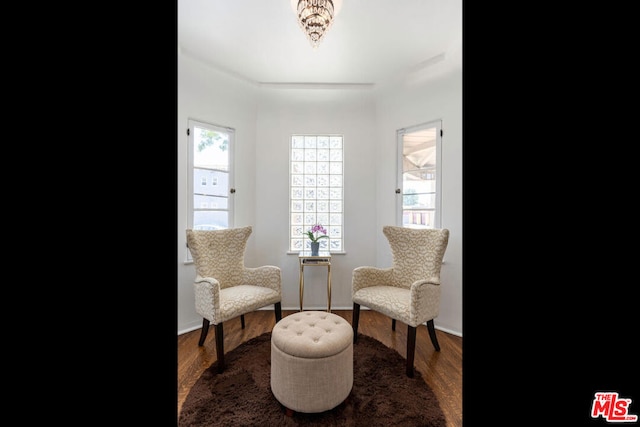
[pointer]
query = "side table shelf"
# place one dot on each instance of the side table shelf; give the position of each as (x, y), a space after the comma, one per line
(322, 259)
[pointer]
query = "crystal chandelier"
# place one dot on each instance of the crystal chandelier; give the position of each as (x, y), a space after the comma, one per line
(315, 17)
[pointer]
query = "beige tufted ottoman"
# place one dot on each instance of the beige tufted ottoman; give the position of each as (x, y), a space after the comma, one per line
(311, 361)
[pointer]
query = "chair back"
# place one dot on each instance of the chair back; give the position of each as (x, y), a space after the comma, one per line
(219, 253)
(417, 253)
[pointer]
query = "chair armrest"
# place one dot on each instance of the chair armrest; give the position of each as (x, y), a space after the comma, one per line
(207, 296)
(268, 276)
(422, 282)
(209, 283)
(366, 276)
(425, 300)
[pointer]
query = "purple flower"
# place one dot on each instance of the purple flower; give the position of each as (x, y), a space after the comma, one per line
(313, 233)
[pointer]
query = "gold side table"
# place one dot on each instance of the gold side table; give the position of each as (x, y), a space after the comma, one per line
(306, 259)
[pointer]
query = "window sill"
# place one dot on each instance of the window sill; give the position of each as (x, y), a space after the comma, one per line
(187, 261)
(332, 253)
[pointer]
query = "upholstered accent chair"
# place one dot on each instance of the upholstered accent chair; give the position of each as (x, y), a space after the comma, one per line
(409, 290)
(224, 287)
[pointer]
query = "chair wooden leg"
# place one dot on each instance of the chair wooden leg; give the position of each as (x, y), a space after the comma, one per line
(411, 349)
(432, 334)
(203, 332)
(242, 320)
(393, 324)
(278, 309)
(220, 347)
(356, 318)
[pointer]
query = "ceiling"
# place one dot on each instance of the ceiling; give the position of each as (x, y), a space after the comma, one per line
(371, 42)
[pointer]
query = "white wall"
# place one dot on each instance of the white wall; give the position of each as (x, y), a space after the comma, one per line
(409, 103)
(264, 119)
(351, 113)
(212, 97)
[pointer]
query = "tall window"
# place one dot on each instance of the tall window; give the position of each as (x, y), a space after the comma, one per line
(419, 153)
(316, 190)
(210, 179)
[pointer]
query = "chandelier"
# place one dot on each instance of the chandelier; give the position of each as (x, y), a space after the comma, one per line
(315, 17)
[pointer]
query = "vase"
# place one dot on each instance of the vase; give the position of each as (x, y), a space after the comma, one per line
(315, 247)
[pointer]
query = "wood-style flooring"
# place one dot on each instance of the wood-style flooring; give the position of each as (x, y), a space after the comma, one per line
(442, 370)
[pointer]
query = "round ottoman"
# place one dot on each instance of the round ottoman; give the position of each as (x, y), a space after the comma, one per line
(311, 361)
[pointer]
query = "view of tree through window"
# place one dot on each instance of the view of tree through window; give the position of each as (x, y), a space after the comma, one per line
(210, 160)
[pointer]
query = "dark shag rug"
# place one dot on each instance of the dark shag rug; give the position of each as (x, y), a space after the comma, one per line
(382, 394)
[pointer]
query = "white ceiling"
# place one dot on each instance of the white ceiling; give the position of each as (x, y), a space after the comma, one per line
(371, 42)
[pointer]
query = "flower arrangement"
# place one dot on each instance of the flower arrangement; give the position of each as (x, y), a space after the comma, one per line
(313, 233)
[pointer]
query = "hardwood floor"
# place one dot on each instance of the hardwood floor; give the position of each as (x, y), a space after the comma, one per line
(442, 370)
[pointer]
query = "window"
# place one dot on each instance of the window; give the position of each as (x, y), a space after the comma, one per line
(316, 190)
(209, 160)
(419, 154)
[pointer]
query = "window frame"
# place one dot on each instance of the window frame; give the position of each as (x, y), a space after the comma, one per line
(335, 228)
(437, 124)
(192, 124)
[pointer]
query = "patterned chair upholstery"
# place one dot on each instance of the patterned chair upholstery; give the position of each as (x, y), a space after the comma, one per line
(224, 287)
(409, 290)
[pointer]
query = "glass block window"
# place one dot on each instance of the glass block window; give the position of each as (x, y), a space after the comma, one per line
(316, 191)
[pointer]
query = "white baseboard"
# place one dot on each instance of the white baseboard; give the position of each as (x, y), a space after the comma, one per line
(449, 331)
(189, 329)
(199, 325)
